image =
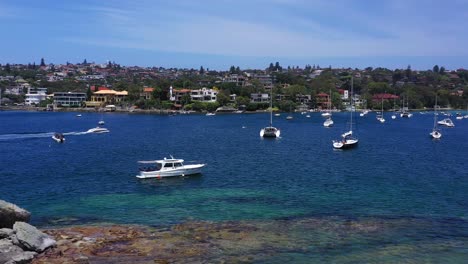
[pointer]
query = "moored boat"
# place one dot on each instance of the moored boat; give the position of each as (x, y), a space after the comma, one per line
(446, 122)
(167, 168)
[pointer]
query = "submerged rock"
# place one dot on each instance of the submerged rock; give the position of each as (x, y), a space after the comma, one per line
(10, 213)
(30, 238)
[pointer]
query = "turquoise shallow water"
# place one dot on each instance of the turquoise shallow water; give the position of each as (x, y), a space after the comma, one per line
(397, 172)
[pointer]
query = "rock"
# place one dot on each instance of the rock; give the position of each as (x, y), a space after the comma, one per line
(30, 238)
(6, 232)
(12, 254)
(10, 213)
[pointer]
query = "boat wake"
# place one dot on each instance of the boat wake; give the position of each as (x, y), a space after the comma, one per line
(20, 136)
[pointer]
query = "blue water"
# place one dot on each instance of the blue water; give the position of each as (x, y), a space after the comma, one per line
(397, 170)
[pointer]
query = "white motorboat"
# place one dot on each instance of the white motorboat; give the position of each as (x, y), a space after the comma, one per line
(363, 113)
(210, 114)
(406, 114)
(393, 116)
(328, 123)
(446, 122)
(270, 131)
(459, 116)
(308, 116)
(101, 122)
(78, 115)
(167, 168)
(58, 137)
(98, 130)
(277, 114)
(326, 114)
(347, 138)
(289, 117)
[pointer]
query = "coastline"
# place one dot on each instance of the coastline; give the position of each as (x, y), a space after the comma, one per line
(317, 239)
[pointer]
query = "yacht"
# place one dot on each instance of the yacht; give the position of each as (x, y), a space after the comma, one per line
(435, 134)
(347, 139)
(270, 131)
(459, 116)
(58, 137)
(446, 122)
(167, 168)
(98, 130)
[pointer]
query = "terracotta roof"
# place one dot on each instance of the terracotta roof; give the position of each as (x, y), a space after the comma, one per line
(182, 90)
(322, 95)
(111, 92)
(148, 90)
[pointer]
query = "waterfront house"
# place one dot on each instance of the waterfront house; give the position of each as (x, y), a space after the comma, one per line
(103, 97)
(147, 93)
(69, 99)
(204, 95)
(321, 100)
(35, 95)
(177, 94)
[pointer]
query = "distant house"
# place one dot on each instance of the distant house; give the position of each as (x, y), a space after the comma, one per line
(304, 99)
(259, 98)
(384, 96)
(35, 95)
(239, 80)
(147, 93)
(204, 95)
(103, 97)
(321, 100)
(177, 95)
(69, 99)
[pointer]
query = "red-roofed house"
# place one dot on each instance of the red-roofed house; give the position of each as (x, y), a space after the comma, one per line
(147, 93)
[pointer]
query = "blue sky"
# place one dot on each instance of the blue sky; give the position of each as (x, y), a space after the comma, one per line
(249, 34)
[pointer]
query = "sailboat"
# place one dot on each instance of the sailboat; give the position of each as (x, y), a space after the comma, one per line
(394, 109)
(270, 131)
(347, 139)
(435, 134)
(289, 117)
(329, 122)
(381, 116)
(405, 112)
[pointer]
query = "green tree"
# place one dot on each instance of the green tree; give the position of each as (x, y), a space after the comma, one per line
(201, 71)
(42, 62)
(442, 70)
(186, 99)
(435, 69)
(222, 98)
(8, 68)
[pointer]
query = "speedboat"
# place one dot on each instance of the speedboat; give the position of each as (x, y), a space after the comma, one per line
(101, 122)
(271, 132)
(78, 115)
(459, 116)
(98, 130)
(326, 114)
(328, 123)
(393, 116)
(446, 122)
(58, 137)
(289, 117)
(167, 168)
(210, 114)
(308, 116)
(277, 114)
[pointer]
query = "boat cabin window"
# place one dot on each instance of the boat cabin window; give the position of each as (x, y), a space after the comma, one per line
(178, 164)
(149, 166)
(168, 165)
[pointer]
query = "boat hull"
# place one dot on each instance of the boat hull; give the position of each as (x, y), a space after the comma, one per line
(270, 133)
(347, 144)
(58, 140)
(185, 171)
(435, 135)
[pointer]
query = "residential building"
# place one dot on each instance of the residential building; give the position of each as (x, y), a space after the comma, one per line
(239, 80)
(204, 95)
(69, 99)
(303, 98)
(259, 98)
(104, 97)
(177, 94)
(35, 95)
(321, 100)
(147, 93)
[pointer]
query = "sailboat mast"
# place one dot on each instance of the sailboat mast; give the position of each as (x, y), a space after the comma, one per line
(351, 104)
(435, 113)
(271, 107)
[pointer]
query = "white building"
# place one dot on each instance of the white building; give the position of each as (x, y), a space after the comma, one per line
(35, 95)
(259, 97)
(204, 95)
(69, 98)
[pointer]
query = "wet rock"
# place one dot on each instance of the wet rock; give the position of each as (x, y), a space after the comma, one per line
(30, 238)
(10, 213)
